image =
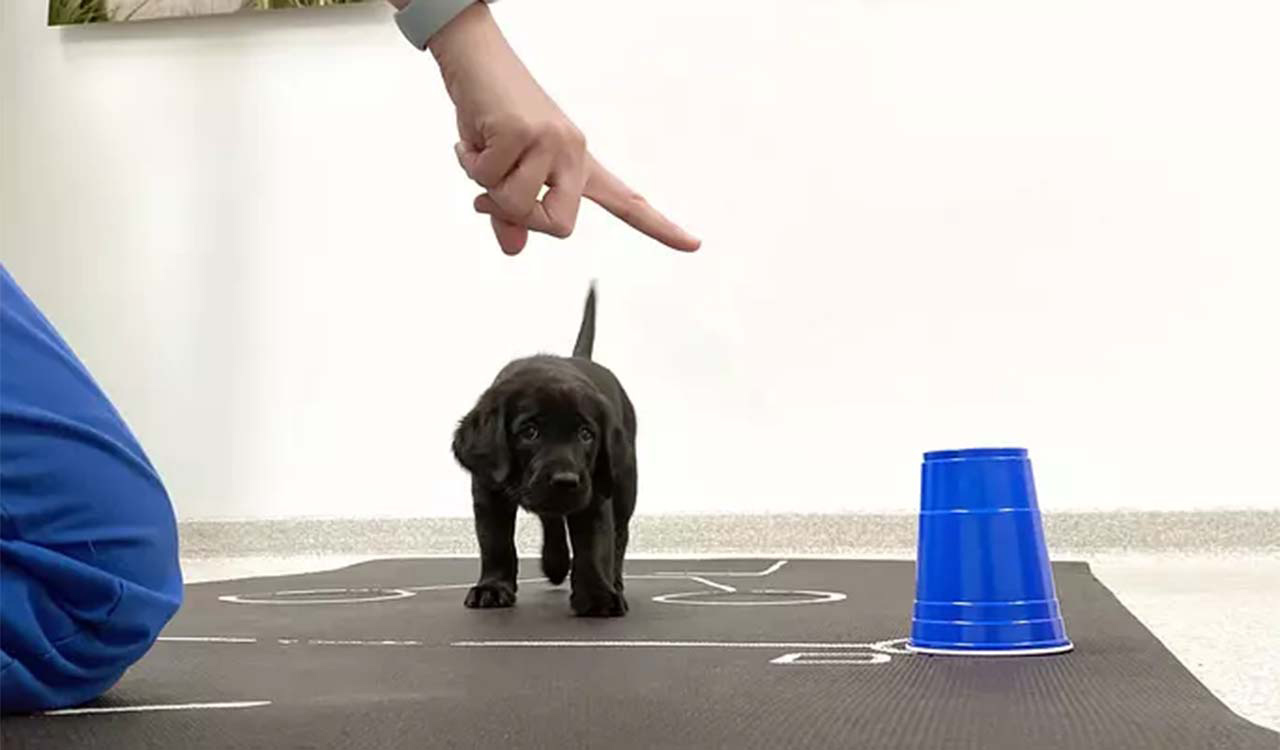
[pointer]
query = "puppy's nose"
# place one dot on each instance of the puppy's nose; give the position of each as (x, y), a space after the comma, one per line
(565, 480)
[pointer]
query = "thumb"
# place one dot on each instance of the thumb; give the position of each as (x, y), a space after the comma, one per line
(511, 237)
(467, 157)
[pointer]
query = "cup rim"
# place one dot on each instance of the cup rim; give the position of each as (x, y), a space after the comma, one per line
(970, 454)
(1060, 648)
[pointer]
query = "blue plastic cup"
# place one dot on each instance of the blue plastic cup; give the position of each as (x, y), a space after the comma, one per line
(983, 582)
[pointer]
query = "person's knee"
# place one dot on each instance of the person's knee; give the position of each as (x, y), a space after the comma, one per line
(91, 574)
(69, 630)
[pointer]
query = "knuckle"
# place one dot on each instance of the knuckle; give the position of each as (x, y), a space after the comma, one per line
(511, 203)
(505, 202)
(549, 130)
(484, 174)
(634, 206)
(523, 130)
(563, 135)
(569, 138)
(509, 122)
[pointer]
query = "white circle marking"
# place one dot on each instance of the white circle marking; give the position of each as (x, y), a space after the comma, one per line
(819, 597)
(384, 595)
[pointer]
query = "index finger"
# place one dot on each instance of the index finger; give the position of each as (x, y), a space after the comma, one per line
(605, 189)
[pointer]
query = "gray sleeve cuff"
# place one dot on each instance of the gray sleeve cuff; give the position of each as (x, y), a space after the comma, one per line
(421, 19)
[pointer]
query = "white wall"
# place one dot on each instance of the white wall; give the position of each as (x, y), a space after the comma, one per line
(928, 224)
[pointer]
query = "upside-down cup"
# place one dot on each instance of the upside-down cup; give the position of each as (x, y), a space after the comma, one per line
(983, 582)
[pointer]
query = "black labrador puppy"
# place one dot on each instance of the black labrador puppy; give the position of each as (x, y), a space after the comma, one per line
(555, 436)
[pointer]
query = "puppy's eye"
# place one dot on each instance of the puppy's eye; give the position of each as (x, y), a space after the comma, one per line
(528, 432)
(586, 435)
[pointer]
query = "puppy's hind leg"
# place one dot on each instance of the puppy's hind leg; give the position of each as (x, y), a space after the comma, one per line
(555, 549)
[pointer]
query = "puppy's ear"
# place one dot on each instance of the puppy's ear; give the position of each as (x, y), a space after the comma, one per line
(480, 442)
(614, 457)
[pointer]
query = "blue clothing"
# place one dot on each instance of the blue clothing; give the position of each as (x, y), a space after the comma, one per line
(88, 541)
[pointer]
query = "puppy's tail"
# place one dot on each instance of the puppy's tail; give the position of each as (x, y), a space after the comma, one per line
(587, 331)
(555, 549)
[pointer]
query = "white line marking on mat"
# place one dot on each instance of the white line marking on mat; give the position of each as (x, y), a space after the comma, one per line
(161, 707)
(726, 573)
(832, 657)
(440, 587)
(655, 644)
(317, 642)
(291, 641)
(713, 584)
(204, 639)
(449, 586)
(897, 646)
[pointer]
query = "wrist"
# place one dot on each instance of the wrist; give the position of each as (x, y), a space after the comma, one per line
(424, 21)
(468, 32)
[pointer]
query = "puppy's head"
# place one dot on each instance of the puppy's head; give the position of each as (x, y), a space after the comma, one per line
(544, 440)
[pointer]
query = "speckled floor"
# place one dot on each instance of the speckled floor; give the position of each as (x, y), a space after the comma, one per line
(1205, 584)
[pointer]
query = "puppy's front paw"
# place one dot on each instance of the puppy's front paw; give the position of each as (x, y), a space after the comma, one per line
(598, 604)
(490, 596)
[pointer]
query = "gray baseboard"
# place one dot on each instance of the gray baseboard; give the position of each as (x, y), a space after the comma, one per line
(1068, 534)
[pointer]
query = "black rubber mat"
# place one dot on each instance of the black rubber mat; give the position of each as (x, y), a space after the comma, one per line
(714, 654)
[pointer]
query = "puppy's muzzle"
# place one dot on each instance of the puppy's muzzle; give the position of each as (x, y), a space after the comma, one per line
(558, 493)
